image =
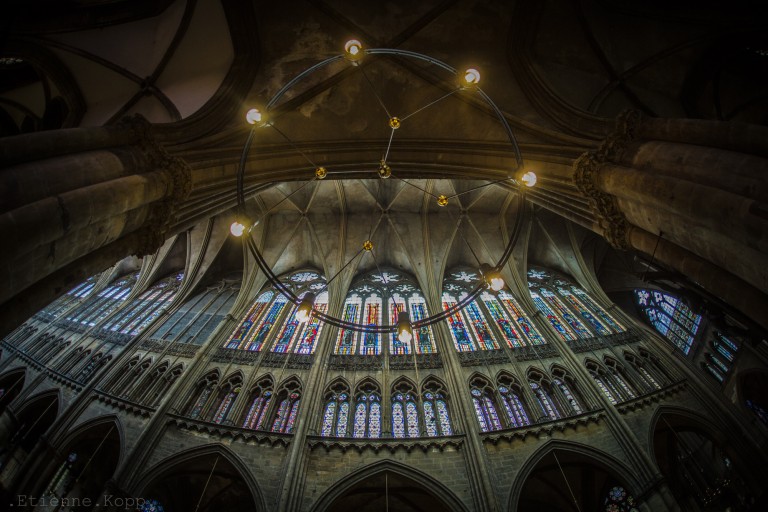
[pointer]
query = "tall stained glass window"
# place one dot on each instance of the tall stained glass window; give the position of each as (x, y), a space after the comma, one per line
(376, 299)
(436, 418)
(288, 399)
(270, 323)
(546, 404)
(68, 300)
(405, 413)
(509, 392)
(143, 310)
(568, 308)
(336, 411)
(469, 327)
(485, 405)
(669, 316)
(258, 404)
(367, 415)
(198, 318)
(97, 307)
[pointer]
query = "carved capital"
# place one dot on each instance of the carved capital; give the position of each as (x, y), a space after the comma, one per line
(178, 177)
(610, 218)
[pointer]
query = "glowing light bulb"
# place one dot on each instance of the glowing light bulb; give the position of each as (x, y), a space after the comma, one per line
(305, 308)
(492, 277)
(472, 76)
(353, 47)
(237, 228)
(253, 116)
(442, 200)
(404, 329)
(529, 179)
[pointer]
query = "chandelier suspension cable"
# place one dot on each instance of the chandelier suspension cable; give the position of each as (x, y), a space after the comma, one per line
(431, 103)
(575, 502)
(32, 426)
(293, 144)
(381, 102)
(459, 224)
(12, 386)
(205, 487)
(88, 463)
(415, 186)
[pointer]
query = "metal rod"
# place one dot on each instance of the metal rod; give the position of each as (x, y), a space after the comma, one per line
(430, 104)
(575, 502)
(205, 488)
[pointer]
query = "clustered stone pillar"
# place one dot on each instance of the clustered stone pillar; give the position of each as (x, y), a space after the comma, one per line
(692, 194)
(74, 201)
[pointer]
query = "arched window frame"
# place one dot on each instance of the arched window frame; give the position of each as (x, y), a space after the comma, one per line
(405, 410)
(541, 389)
(602, 380)
(259, 400)
(627, 387)
(225, 400)
(669, 316)
(286, 410)
(470, 328)
(270, 323)
(195, 320)
(514, 404)
(367, 414)
(336, 411)
(484, 403)
(569, 391)
(197, 403)
(97, 307)
(437, 419)
(376, 298)
(133, 318)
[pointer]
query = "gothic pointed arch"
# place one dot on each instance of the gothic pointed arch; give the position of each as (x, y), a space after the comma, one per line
(367, 410)
(591, 474)
(11, 384)
(86, 458)
(232, 486)
(406, 488)
(259, 400)
(336, 409)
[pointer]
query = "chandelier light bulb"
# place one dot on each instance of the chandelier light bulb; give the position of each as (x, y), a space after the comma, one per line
(404, 329)
(253, 116)
(442, 200)
(384, 170)
(305, 308)
(353, 47)
(321, 173)
(529, 179)
(237, 228)
(472, 76)
(394, 123)
(492, 277)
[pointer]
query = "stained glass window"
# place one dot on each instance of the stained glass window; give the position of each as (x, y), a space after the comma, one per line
(143, 310)
(669, 316)
(224, 407)
(405, 416)
(619, 500)
(609, 320)
(151, 506)
(545, 402)
(485, 409)
(336, 413)
(376, 299)
(198, 318)
(564, 332)
(367, 416)
(197, 408)
(69, 299)
(507, 328)
(604, 388)
(437, 421)
(526, 326)
(286, 413)
(759, 411)
(514, 407)
(469, 327)
(725, 346)
(99, 306)
(558, 306)
(575, 407)
(254, 419)
(270, 323)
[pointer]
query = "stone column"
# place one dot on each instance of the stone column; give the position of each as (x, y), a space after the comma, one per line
(75, 201)
(700, 210)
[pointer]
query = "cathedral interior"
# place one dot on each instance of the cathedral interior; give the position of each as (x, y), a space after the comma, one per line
(322, 255)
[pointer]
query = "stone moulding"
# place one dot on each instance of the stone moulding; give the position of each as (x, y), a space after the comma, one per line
(652, 398)
(124, 404)
(388, 444)
(546, 428)
(169, 347)
(227, 431)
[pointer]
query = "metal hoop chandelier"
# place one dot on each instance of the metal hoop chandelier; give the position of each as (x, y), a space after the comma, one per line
(354, 53)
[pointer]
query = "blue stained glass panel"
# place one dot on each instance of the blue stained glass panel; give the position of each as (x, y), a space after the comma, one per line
(461, 338)
(346, 341)
(575, 323)
(445, 420)
(330, 413)
(341, 422)
(260, 336)
(485, 339)
(502, 320)
(374, 420)
(564, 333)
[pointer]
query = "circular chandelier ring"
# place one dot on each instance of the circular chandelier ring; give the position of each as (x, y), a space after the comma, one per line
(285, 290)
